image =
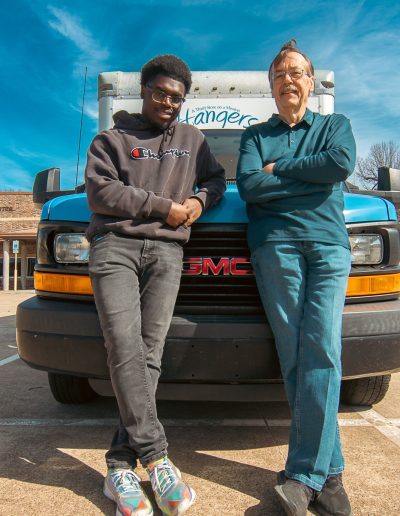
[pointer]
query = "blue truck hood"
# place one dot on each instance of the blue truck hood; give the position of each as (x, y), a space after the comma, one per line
(358, 209)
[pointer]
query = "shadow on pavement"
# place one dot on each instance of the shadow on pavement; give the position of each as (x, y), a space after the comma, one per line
(73, 458)
(52, 457)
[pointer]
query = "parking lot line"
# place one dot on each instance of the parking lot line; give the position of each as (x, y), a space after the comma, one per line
(381, 423)
(387, 427)
(58, 422)
(9, 359)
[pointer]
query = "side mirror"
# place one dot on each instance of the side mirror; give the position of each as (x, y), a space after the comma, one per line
(389, 179)
(46, 182)
(47, 186)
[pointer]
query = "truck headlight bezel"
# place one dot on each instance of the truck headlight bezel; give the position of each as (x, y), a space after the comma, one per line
(72, 248)
(366, 248)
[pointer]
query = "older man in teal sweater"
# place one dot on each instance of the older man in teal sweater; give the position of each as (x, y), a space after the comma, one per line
(290, 173)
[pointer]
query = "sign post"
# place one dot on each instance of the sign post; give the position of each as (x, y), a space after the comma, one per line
(15, 251)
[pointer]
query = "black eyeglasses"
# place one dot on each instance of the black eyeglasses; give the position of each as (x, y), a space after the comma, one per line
(160, 97)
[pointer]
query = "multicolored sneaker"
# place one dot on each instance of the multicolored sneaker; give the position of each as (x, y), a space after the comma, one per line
(173, 496)
(123, 487)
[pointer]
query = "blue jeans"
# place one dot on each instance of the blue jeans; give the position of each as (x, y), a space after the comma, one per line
(135, 283)
(302, 286)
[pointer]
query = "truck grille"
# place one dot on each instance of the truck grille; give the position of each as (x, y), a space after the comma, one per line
(217, 276)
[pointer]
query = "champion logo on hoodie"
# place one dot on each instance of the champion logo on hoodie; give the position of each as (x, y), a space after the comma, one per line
(144, 153)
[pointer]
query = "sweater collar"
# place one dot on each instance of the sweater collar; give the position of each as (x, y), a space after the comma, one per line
(308, 118)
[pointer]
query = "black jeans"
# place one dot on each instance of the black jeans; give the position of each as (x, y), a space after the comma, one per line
(135, 284)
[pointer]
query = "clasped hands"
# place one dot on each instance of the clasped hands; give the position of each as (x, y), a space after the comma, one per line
(184, 214)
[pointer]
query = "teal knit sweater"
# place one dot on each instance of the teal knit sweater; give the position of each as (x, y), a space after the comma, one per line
(303, 198)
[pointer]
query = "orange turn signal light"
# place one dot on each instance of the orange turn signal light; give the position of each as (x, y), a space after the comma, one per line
(63, 283)
(373, 285)
(80, 284)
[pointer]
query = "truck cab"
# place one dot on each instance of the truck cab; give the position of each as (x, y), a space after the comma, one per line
(219, 346)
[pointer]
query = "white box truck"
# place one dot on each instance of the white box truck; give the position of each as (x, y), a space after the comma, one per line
(219, 345)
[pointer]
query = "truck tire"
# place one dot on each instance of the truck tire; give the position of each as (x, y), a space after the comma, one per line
(71, 389)
(365, 391)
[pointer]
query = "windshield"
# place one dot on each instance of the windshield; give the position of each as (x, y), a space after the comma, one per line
(224, 144)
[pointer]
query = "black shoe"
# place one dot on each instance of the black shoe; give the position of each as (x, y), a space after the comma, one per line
(294, 496)
(331, 501)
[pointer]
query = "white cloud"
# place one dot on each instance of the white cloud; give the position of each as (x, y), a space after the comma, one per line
(90, 109)
(362, 53)
(15, 177)
(368, 76)
(206, 2)
(202, 43)
(341, 22)
(92, 54)
(27, 153)
(68, 172)
(282, 10)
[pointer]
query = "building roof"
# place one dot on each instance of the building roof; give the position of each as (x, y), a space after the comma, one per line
(19, 217)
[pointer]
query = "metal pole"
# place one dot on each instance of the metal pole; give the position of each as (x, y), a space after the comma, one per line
(15, 271)
(23, 265)
(80, 130)
(6, 265)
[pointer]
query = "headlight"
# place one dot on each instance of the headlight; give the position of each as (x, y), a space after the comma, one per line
(366, 249)
(71, 248)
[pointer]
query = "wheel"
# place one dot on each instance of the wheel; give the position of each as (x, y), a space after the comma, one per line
(365, 391)
(71, 389)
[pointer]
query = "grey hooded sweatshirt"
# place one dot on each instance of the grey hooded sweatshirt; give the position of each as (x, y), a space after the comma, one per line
(135, 170)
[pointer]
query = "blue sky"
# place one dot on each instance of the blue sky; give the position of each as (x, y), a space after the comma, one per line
(45, 46)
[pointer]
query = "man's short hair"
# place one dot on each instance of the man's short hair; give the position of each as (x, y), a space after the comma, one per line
(169, 65)
(289, 46)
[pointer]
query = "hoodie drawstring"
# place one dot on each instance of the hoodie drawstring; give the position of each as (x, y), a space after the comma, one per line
(167, 132)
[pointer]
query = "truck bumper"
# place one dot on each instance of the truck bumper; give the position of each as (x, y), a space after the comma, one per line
(65, 337)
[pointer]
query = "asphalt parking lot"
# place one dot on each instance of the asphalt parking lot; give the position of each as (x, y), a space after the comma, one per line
(52, 455)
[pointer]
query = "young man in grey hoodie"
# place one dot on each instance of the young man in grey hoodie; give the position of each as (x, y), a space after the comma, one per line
(147, 180)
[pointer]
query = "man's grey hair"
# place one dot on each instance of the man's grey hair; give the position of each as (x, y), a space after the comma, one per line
(289, 46)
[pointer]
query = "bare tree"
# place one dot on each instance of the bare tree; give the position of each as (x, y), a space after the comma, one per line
(384, 154)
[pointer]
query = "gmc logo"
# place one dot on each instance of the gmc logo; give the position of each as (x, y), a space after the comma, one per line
(217, 266)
